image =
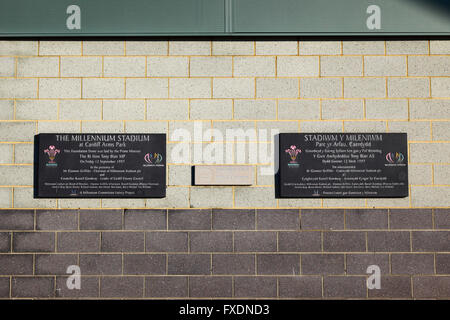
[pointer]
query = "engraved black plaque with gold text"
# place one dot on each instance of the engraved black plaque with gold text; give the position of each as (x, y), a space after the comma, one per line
(99, 165)
(343, 165)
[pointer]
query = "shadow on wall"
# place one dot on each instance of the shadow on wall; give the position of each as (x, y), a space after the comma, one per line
(442, 6)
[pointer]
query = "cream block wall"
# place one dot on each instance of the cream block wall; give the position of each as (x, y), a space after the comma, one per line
(162, 86)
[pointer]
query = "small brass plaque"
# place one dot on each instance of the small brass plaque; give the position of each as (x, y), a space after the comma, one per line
(224, 175)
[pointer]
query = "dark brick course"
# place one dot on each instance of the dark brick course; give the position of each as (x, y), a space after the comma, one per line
(255, 241)
(302, 241)
(300, 287)
(322, 264)
(278, 219)
(431, 287)
(211, 241)
(275, 264)
(89, 288)
(344, 241)
(189, 264)
(392, 287)
(344, 287)
(252, 287)
(233, 264)
(412, 263)
(388, 241)
(196, 219)
(56, 219)
(123, 241)
(78, 242)
(122, 287)
(437, 241)
(411, 219)
(442, 218)
(32, 287)
(166, 241)
(233, 219)
(4, 287)
(33, 242)
(163, 287)
(214, 287)
(144, 264)
(322, 219)
(5, 241)
(226, 253)
(16, 219)
(99, 264)
(145, 220)
(443, 263)
(101, 219)
(16, 264)
(366, 218)
(357, 263)
(54, 264)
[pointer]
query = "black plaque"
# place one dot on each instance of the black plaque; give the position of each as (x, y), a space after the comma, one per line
(343, 165)
(99, 165)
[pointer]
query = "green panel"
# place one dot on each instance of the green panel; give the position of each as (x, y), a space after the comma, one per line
(112, 17)
(340, 16)
(44, 18)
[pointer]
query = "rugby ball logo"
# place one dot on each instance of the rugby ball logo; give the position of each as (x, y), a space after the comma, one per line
(153, 158)
(395, 157)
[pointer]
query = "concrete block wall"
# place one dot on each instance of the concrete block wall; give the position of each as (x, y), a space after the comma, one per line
(162, 86)
(225, 242)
